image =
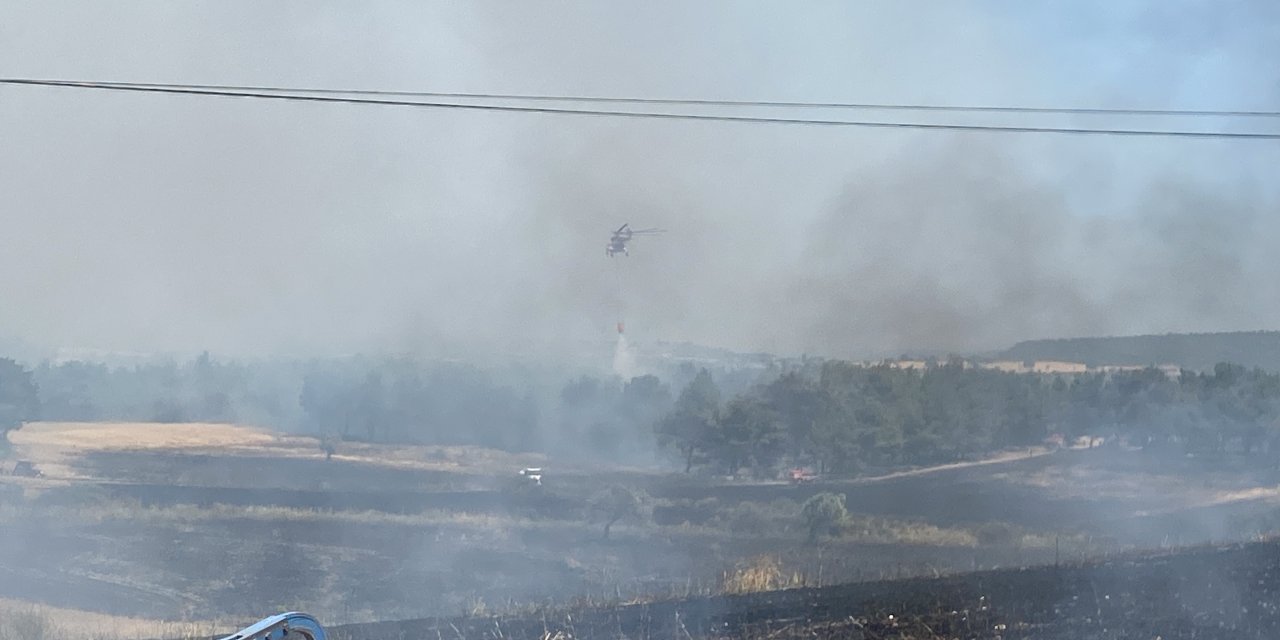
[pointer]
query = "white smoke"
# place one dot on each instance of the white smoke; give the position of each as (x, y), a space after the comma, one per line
(624, 361)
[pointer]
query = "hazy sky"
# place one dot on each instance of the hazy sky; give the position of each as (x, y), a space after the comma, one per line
(143, 222)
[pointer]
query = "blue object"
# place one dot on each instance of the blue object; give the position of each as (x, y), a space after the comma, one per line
(293, 625)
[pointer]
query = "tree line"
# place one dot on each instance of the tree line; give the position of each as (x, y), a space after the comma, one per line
(845, 418)
(388, 400)
(839, 417)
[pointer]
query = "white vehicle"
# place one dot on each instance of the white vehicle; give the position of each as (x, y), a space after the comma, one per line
(533, 474)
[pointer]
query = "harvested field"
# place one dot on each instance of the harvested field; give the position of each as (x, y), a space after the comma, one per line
(87, 436)
(134, 451)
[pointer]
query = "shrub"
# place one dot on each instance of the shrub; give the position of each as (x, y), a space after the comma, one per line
(618, 502)
(823, 512)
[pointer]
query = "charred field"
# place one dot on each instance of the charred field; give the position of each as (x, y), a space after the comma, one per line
(147, 525)
(1205, 593)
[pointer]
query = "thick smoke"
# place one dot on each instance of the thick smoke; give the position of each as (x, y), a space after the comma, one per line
(147, 223)
(249, 228)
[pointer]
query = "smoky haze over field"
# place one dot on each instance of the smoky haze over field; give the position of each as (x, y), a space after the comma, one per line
(144, 223)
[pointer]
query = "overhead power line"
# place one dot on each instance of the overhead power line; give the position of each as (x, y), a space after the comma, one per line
(182, 90)
(867, 106)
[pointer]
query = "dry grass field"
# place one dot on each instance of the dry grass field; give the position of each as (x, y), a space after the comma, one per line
(88, 436)
(21, 620)
(51, 444)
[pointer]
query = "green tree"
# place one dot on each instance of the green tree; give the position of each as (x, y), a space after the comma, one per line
(371, 407)
(800, 403)
(19, 397)
(690, 425)
(850, 429)
(67, 390)
(329, 401)
(824, 512)
(749, 433)
(618, 502)
(839, 440)
(644, 400)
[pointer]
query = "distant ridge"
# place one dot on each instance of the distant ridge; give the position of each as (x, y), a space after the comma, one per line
(1199, 351)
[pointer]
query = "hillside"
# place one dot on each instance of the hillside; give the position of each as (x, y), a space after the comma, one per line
(1198, 351)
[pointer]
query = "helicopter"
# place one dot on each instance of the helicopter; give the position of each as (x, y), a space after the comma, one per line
(618, 243)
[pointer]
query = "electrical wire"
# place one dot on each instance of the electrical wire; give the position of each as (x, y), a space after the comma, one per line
(871, 106)
(140, 88)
